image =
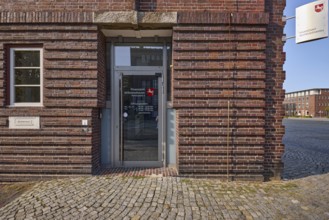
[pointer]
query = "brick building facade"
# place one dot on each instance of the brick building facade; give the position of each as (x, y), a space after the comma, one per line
(213, 80)
(311, 102)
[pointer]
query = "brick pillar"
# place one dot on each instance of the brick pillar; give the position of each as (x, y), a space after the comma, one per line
(274, 92)
(215, 62)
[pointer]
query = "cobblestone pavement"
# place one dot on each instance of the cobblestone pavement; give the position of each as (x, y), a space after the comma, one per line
(118, 197)
(125, 172)
(153, 194)
(306, 148)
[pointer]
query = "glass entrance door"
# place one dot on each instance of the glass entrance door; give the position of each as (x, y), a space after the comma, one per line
(139, 110)
(139, 118)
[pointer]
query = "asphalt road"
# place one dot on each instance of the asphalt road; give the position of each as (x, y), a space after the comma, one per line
(306, 148)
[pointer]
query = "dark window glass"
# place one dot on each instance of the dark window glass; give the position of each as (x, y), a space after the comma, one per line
(27, 58)
(27, 77)
(27, 94)
(138, 55)
(140, 106)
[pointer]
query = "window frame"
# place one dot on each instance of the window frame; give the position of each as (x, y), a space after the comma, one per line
(12, 100)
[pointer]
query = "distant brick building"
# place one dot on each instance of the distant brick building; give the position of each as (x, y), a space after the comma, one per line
(311, 102)
(91, 84)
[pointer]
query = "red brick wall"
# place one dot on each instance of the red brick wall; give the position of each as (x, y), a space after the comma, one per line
(274, 93)
(197, 5)
(73, 70)
(126, 5)
(67, 5)
(312, 105)
(321, 102)
(217, 58)
(215, 63)
(101, 96)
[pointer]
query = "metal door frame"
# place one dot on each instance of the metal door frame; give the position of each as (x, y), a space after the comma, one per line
(118, 73)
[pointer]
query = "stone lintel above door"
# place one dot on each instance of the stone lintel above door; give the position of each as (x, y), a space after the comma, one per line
(135, 19)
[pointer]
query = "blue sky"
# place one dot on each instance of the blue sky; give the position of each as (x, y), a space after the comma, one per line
(307, 64)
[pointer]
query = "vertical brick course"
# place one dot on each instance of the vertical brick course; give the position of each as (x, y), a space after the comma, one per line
(101, 97)
(275, 77)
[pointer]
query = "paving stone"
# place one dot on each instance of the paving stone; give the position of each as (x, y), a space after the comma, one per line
(171, 198)
(306, 148)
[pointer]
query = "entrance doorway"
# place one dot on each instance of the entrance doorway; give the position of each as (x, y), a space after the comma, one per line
(139, 117)
(138, 106)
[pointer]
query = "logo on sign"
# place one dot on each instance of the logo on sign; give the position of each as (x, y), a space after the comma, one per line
(319, 8)
(150, 92)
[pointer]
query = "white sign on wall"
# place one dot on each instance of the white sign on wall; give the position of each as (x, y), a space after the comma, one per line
(312, 21)
(24, 122)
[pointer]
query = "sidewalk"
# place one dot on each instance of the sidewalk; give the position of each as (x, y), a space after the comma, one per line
(310, 119)
(121, 197)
